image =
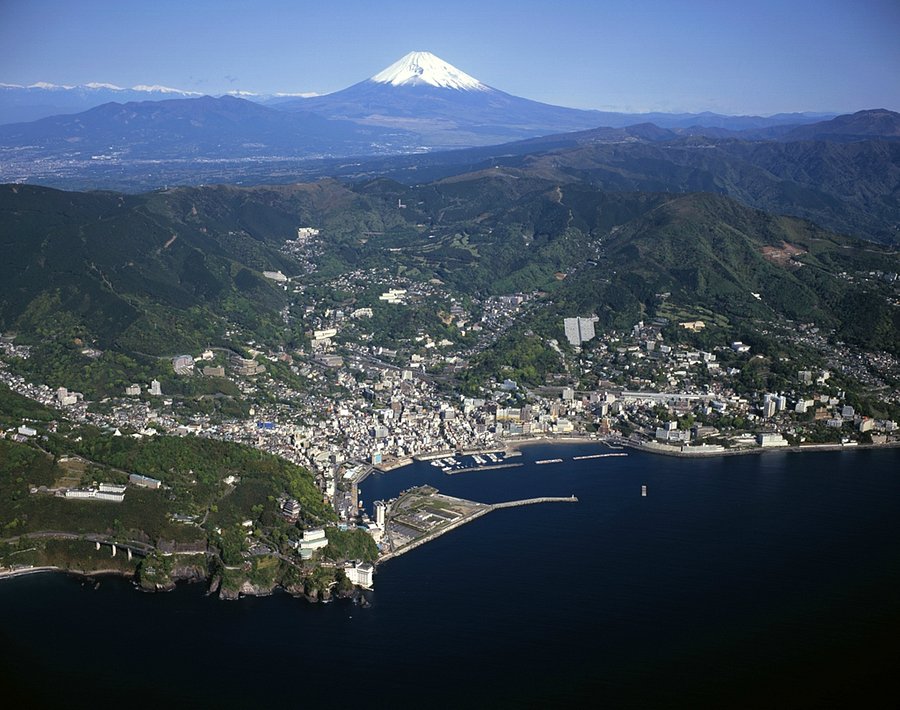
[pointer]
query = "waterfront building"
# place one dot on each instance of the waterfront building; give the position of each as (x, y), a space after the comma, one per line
(380, 512)
(360, 574)
(770, 439)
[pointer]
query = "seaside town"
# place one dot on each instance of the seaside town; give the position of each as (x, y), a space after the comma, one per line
(357, 409)
(354, 400)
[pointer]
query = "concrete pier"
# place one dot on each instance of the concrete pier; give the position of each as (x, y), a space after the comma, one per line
(469, 518)
(534, 501)
(487, 467)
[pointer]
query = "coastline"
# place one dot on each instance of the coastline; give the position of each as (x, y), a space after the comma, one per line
(25, 571)
(802, 449)
(506, 446)
(514, 445)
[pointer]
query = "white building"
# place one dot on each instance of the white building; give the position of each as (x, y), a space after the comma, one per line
(155, 388)
(111, 488)
(360, 574)
(579, 330)
(106, 491)
(183, 364)
(313, 540)
(144, 481)
(767, 440)
(394, 296)
(133, 390)
(65, 398)
(380, 512)
(326, 333)
(275, 276)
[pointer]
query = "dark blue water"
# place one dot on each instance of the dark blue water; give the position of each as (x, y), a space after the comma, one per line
(754, 581)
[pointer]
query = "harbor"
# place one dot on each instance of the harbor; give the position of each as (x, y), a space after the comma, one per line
(423, 514)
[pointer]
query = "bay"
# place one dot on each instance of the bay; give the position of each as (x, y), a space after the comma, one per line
(767, 580)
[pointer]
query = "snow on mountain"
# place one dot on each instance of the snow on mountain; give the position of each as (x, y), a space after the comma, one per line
(300, 94)
(29, 103)
(418, 68)
(100, 85)
(163, 90)
(48, 86)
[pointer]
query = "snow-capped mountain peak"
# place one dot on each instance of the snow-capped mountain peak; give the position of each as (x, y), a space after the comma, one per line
(48, 86)
(418, 68)
(157, 89)
(101, 85)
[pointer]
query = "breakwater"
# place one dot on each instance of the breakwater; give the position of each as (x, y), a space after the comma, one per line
(488, 467)
(469, 518)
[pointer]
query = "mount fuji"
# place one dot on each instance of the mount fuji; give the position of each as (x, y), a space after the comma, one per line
(443, 105)
(446, 107)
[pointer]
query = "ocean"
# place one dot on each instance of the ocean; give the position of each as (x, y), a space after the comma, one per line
(750, 581)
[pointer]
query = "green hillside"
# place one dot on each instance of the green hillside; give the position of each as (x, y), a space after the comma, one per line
(152, 275)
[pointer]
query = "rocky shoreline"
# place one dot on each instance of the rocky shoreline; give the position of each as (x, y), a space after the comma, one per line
(192, 574)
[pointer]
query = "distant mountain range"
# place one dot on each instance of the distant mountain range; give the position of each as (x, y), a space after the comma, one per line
(448, 108)
(420, 93)
(837, 175)
(29, 103)
(843, 172)
(169, 270)
(204, 127)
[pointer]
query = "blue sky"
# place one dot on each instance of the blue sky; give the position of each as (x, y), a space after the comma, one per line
(761, 58)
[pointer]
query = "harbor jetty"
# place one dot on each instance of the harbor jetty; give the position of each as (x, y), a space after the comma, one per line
(418, 505)
(487, 467)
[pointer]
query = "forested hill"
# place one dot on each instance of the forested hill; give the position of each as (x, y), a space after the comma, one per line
(176, 269)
